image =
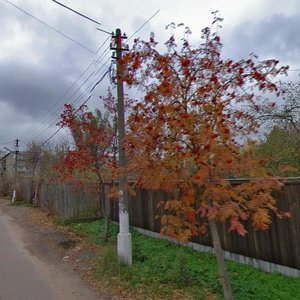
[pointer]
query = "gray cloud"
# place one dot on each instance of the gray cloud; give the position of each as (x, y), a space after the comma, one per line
(36, 71)
(276, 36)
(37, 65)
(31, 90)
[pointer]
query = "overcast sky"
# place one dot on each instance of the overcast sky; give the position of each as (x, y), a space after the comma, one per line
(38, 66)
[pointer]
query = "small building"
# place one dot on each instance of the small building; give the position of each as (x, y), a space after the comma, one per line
(7, 164)
(8, 161)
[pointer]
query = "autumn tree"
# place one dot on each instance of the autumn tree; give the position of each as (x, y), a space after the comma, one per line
(282, 141)
(185, 136)
(93, 158)
(281, 146)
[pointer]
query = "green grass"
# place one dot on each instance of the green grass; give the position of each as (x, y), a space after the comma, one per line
(161, 267)
(23, 203)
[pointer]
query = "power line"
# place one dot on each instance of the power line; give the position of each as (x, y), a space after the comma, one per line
(82, 15)
(61, 127)
(103, 30)
(102, 44)
(52, 116)
(94, 84)
(44, 117)
(49, 26)
(57, 110)
(109, 70)
(76, 12)
(6, 143)
(70, 99)
(61, 98)
(144, 24)
(137, 29)
(75, 102)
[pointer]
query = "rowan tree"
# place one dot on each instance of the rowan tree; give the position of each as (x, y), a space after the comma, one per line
(185, 136)
(93, 158)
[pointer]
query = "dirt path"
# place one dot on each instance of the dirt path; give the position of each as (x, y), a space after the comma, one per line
(35, 262)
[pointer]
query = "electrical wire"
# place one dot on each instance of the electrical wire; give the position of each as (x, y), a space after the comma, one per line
(82, 15)
(109, 68)
(102, 45)
(103, 30)
(60, 99)
(61, 127)
(44, 118)
(94, 84)
(49, 26)
(55, 114)
(143, 25)
(6, 143)
(74, 103)
(76, 12)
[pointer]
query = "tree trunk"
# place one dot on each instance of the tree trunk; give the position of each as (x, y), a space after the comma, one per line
(106, 228)
(220, 259)
(105, 210)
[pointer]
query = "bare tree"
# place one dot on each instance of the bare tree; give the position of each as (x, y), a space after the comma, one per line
(41, 160)
(287, 113)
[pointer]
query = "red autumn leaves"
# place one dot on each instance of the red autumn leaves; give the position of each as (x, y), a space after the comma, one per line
(185, 133)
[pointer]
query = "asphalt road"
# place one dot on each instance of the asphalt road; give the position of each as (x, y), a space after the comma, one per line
(24, 276)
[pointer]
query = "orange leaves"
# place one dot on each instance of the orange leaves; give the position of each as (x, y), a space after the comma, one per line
(176, 228)
(185, 133)
(173, 205)
(261, 219)
(254, 201)
(189, 196)
(191, 216)
(237, 226)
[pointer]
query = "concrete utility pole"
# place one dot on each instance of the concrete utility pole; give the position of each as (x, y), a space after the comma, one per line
(16, 153)
(16, 170)
(124, 237)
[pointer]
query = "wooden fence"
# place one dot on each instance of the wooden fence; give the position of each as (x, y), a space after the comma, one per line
(70, 201)
(279, 245)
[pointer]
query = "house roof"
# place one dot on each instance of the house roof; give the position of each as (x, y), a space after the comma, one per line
(4, 156)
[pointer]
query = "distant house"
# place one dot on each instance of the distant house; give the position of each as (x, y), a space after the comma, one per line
(7, 164)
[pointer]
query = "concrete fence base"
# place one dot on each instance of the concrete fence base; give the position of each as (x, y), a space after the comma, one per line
(257, 263)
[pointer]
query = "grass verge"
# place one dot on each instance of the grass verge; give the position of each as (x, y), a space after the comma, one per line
(23, 203)
(164, 270)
